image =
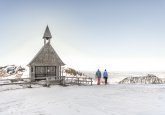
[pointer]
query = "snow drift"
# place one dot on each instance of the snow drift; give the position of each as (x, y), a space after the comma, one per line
(149, 79)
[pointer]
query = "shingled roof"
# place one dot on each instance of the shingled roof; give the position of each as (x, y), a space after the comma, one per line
(47, 56)
(47, 34)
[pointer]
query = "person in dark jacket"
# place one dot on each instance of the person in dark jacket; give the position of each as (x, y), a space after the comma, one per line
(98, 75)
(105, 75)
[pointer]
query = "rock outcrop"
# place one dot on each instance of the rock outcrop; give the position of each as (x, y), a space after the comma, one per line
(9, 70)
(149, 79)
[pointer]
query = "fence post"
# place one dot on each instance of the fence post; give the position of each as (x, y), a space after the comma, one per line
(78, 80)
(63, 80)
(47, 82)
(30, 84)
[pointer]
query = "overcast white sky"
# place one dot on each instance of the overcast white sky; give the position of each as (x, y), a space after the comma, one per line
(119, 35)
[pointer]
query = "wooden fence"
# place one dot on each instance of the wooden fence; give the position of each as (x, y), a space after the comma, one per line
(20, 81)
(78, 80)
(62, 80)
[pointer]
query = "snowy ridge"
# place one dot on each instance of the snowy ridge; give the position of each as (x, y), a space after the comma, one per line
(149, 79)
(13, 72)
(70, 72)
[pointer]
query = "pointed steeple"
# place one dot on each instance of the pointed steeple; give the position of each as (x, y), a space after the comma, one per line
(47, 34)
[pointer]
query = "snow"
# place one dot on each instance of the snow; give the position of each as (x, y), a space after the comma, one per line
(102, 99)
(116, 77)
(149, 79)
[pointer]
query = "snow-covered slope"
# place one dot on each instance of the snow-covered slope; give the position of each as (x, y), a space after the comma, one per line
(13, 72)
(149, 79)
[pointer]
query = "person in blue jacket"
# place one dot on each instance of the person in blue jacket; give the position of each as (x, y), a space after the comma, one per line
(105, 75)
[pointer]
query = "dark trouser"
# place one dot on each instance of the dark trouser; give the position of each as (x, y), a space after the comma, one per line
(105, 80)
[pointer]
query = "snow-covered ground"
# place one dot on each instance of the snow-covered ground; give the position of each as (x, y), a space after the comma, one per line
(85, 100)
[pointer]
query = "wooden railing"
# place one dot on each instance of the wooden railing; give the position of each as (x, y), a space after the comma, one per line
(21, 81)
(49, 80)
(78, 80)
